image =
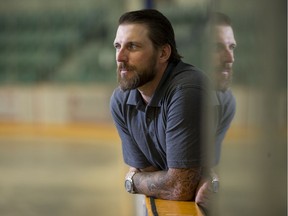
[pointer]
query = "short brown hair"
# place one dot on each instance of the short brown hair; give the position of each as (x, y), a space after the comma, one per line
(218, 18)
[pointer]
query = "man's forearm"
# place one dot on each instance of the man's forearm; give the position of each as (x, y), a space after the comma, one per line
(174, 184)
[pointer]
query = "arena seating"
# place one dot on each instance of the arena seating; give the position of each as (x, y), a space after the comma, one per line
(35, 46)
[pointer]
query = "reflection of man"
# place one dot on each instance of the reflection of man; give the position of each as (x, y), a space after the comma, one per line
(157, 98)
(223, 51)
(223, 45)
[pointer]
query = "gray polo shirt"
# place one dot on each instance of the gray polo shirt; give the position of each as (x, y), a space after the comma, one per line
(226, 112)
(166, 133)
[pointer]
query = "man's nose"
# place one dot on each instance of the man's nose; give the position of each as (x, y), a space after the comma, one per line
(229, 56)
(121, 55)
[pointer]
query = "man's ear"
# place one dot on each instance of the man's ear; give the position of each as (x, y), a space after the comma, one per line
(165, 53)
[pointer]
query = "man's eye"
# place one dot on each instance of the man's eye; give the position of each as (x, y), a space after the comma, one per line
(132, 46)
(116, 46)
(233, 46)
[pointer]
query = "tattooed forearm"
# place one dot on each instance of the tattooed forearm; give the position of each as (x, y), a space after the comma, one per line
(174, 184)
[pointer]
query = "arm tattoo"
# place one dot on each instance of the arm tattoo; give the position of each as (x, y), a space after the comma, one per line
(174, 184)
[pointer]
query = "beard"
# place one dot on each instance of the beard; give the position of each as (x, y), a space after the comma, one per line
(223, 77)
(136, 77)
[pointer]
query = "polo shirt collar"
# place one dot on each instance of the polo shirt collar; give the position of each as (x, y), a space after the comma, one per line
(135, 97)
(163, 85)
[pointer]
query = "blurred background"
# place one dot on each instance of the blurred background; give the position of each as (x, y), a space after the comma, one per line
(59, 152)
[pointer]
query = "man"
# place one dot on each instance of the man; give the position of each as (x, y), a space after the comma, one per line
(223, 59)
(158, 109)
(223, 45)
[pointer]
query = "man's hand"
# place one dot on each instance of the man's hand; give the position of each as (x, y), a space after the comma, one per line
(204, 192)
(206, 189)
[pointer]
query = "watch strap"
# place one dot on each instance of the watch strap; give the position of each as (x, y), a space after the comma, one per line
(130, 175)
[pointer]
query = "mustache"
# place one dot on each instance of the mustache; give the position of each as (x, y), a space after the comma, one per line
(224, 67)
(124, 66)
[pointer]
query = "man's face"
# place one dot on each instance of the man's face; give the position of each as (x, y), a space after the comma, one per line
(223, 56)
(135, 56)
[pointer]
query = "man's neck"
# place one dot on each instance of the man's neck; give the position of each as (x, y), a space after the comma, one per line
(147, 91)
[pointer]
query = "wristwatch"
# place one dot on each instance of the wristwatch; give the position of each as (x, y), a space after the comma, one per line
(129, 184)
(215, 184)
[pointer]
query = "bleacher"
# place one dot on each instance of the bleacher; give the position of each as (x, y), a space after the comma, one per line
(37, 46)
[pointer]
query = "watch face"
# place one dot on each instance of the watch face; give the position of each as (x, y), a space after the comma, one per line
(215, 186)
(128, 185)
